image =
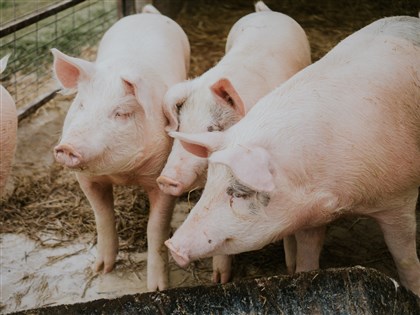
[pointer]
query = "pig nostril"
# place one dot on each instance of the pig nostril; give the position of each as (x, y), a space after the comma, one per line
(65, 154)
(209, 241)
(175, 185)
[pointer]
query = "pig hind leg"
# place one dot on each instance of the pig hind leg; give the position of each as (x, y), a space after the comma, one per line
(399, 228)
(222, 268)
(309, 245)
(290, 251)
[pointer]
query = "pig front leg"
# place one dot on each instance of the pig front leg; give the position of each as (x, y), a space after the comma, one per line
(100, 196)
(222, 268)
(399, 227)
(158, 228)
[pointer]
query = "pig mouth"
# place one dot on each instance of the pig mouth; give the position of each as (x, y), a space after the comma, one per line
(77, 168)
(182, 259)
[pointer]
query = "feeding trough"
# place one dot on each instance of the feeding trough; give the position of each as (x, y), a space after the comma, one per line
(355, 290)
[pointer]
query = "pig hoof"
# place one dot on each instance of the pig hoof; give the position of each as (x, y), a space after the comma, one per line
(103, 266)
(221, 277)
(157, 285)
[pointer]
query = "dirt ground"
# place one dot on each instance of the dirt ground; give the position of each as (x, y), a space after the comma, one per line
(47, 227)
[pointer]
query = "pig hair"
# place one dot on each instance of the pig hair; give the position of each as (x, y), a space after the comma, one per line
(223, 116)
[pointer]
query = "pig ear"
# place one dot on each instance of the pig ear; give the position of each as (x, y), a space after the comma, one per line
(140, 90)
(69, 70)
(250, 166)
(173, 101)
(3, 63)
(199, 144)
(224, 90)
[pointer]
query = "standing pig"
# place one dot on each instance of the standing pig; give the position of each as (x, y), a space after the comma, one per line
(263, 50)
(8, 122)
(342, 136)
(114, 132)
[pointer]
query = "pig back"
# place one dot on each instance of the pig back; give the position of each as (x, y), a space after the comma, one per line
(274, 32)
(147, 39)
(370, 109)
(352, 115)
(8, 123)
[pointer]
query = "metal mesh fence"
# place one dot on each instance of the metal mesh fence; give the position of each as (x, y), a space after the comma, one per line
(29, 29)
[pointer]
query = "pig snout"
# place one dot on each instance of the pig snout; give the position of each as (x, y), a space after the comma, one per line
(181, 259)
(186, 247)
(67, 155)
(170, 186)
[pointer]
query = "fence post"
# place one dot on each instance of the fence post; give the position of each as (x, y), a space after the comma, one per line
(126, 7)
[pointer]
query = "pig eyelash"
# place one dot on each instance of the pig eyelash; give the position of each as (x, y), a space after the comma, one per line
(216, 127)
(212, 128)
(178, 107)
(231, 191)
(119, 115)
(238, 190)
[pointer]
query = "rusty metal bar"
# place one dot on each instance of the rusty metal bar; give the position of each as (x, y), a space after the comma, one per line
(37, 16)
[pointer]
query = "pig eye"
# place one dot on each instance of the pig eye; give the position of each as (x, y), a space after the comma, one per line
(214, 128)
(122, 115)
(81, 106)
(236, 194)
(239, 195)
(178, 107)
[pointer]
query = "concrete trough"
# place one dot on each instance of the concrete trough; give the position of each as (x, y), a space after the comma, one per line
(355, 290)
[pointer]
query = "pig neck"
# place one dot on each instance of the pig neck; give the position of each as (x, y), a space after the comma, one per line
(143, 174)
(150, 163)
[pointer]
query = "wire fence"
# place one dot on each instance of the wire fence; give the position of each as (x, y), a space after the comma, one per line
(29, 29)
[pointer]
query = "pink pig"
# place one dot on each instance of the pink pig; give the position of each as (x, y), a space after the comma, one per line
(263, 50)
(342, 136)
(114, 133)
(8, 122)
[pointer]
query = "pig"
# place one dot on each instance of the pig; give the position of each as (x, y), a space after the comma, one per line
(263, 50)
(258, 58)
(114, 134)
(340, 137)
(8, 133)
